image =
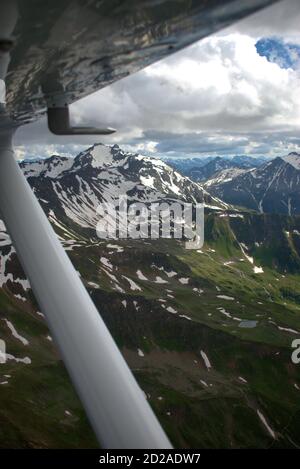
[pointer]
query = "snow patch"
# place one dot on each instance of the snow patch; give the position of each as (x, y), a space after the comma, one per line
(184, 281)
(140, 275)
(133, 285)
(15, 333)
(243, 380)
(225, 297)
(206, 360)
(171, 310)
(160, 280)
(264, 421)
(106, 262)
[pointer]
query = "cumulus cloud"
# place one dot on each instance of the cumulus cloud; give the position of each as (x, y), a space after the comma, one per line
(218, 96)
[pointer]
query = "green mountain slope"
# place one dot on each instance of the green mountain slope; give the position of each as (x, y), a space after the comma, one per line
(207, 334)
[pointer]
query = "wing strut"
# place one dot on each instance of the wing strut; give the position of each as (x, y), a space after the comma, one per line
(115, 405)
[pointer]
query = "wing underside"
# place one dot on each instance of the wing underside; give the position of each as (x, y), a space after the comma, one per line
(66, 49)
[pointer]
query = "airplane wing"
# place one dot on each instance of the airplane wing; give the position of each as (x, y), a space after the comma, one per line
(69, 49)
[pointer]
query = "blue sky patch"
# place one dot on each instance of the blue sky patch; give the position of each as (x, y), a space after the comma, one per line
(285, 55)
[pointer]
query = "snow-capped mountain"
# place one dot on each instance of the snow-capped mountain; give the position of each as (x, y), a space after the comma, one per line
(293, 159)
(210, 169)
(51, 167)
(224, 175)
(72, 188)
(272, 187)
(202, 169)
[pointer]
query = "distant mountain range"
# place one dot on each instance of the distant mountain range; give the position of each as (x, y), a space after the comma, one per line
(272, 187)
(201, 169)
(265, 185)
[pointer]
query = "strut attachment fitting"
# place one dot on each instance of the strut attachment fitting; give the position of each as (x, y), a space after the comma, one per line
(59, 124)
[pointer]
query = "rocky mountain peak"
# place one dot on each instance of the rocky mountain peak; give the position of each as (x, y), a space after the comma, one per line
(293, 159)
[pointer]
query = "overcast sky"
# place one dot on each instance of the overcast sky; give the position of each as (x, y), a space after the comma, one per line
(217, 97)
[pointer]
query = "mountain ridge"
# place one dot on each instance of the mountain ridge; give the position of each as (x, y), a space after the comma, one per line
(273, 187)
(76, 186)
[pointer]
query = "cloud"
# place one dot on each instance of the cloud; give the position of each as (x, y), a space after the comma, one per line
(205, 143)
(218, 96)
(37, 150)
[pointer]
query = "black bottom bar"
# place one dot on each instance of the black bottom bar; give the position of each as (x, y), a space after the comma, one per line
(134, 458)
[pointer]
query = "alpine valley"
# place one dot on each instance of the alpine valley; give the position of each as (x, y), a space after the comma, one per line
(208, 334)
